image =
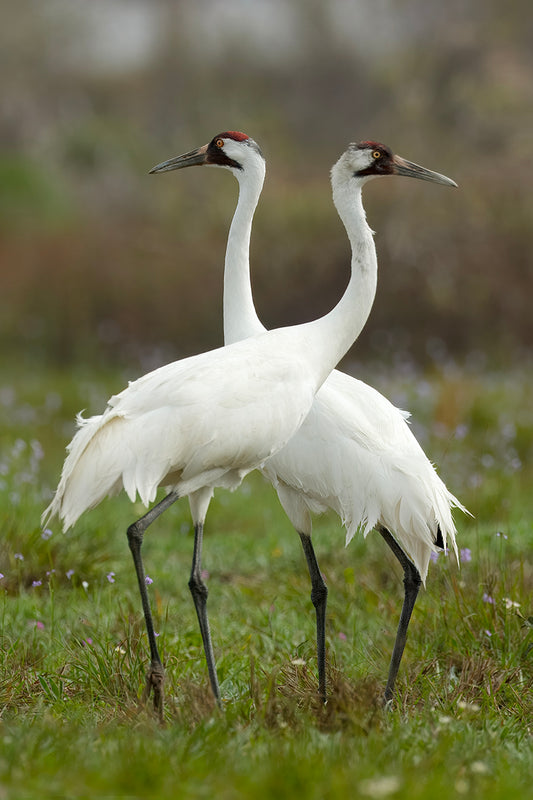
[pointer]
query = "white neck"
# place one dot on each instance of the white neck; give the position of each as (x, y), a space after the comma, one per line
(240, 316)
(326, 340)
(331, 336)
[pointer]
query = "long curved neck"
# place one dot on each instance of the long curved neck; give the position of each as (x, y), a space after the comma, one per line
(332, 335)
(326, 340)
(240, 316)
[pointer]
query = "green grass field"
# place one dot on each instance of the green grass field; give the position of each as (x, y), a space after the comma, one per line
(74, 652)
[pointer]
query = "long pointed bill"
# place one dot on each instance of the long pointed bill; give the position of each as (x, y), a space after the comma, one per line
(410, 170)
(192, 159)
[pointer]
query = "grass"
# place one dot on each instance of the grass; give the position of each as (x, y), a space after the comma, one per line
(74, 651)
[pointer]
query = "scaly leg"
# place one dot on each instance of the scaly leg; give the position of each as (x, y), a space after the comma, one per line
(199, 595)
(156, 675)
(319, 596)
(411, 582)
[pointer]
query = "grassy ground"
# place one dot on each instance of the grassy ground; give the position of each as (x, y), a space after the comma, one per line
(74, 651)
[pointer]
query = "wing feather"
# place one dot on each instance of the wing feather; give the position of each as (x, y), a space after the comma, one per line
(203, 421)
(356, 454)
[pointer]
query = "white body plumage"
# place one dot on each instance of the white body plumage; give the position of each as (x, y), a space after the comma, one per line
(198, 423)
(355, 453)
(208, 420)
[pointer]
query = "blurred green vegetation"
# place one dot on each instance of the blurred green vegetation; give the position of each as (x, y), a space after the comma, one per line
(101, 262)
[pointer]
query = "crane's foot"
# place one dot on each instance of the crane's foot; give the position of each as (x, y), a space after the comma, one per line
(387, 700)
(387, 704)
(155, 679)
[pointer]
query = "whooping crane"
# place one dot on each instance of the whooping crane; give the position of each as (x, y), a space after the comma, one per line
(355, 452)
(208, 420)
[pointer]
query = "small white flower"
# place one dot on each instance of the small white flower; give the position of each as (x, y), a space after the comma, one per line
(380, 787)
(468, 706)
(510, 603)
(461, 786)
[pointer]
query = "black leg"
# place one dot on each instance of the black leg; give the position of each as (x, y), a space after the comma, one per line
(319, 596)
(156, 675)
(199, 595)
(411, 582)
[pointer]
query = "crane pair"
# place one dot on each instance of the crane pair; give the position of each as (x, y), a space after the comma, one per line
(270, 400)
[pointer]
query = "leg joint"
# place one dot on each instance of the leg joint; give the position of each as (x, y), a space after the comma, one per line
(197, 587)
(319, 595)
(135, 534)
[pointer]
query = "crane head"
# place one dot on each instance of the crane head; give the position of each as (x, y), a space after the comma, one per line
(231, 149)
(369, 159)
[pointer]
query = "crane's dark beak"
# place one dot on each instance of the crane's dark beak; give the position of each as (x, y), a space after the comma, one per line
(410, 170)
(192, 159)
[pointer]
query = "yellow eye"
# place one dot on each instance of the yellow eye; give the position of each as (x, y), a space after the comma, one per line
(376, 154)
(219, 142)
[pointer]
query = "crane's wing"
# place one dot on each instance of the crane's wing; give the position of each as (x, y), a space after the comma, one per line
(202, 421)
(356, 454)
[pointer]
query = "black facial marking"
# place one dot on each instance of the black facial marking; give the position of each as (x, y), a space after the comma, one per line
(383, 165)
(216, 155)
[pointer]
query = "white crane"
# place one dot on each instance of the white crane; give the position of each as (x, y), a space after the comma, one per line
(208, 420)
(355, 452)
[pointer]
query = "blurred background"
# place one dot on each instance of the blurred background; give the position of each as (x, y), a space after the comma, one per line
(102, 263)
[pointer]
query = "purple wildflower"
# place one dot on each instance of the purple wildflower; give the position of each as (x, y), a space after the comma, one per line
(461, 431)
(19, 556)
(111, 577)
(475, 480)
(488, 599)
(1, 575)
(46, 534)
(503, 535)
(37, 583)
(342, 636)
(37, 449)
(148, 580)
(466, 554)
(434, 556)
(69, 573)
